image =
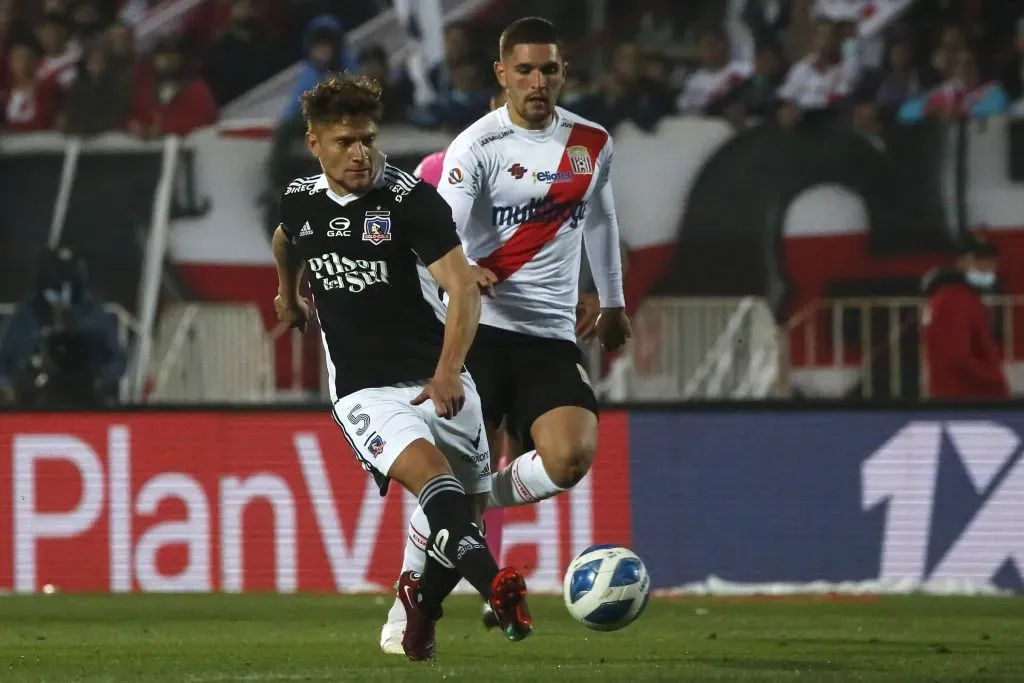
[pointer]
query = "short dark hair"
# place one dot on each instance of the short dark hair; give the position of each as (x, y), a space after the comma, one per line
(527, 31)
(978, 246)
(341, 96)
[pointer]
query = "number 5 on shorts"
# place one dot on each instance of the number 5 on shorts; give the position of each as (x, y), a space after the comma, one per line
(361, 419)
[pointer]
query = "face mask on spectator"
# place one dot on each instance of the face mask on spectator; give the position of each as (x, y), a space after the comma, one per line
(980, 279)
(58, 297)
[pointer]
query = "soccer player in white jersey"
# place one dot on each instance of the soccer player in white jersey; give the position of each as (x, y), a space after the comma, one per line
(526, 183)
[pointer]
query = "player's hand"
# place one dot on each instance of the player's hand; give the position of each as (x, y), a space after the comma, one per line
(613, 328)
(293, 312)
(447, 393)
(485, 280)
(588, 310)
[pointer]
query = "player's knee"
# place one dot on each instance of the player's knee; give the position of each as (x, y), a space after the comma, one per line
(568, 464)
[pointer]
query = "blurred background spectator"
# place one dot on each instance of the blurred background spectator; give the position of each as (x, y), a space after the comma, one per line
(61, 50)
(28, 103)
(324, 51)
(396, 92)
(964, 93)
(629, 91)
(168, 98)
(900, 79)
(757, 96)
(745, 60)
(100, 99)
(244, 54)
(964, 360)
(716, 74)
(59, 349)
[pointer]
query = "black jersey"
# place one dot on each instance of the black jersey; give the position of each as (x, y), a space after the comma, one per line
(365, 255)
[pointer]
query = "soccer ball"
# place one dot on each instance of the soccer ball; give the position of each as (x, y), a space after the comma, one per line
(606, 587)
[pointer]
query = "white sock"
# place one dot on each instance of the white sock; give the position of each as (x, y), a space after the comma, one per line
(523, 482)
(415, 556)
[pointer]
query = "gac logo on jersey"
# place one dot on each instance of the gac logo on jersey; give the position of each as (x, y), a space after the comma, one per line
(340, 273)
(455, 176)
(546, 209)
(516, 171)
(551, 177)
(339, 227)
(377, 227)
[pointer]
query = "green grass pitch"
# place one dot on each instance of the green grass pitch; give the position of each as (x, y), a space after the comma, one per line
(335, 638)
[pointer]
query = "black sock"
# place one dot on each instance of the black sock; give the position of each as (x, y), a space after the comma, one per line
(456, 546)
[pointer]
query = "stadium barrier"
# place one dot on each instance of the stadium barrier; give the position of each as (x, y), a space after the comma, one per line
(723, 498)
(874, 347)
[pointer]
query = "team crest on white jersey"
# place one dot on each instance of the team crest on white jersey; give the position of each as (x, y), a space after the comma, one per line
(579, 160)
(377, 227)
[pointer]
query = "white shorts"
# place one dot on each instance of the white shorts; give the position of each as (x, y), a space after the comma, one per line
(380, 423)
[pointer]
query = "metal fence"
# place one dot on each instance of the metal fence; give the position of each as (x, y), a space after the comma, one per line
(878, 344)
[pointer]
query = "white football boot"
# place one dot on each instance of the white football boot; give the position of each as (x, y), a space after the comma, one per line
(392, 632)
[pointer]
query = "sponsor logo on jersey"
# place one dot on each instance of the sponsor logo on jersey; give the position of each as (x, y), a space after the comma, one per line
(546, 209)
(476, 458)
(339, 227)
(551, 177)
(377, 227)
(496, 136)
(340, 273)
(516, 171)
(455, 176)
(306, 231)
(579, 160)
(376, 445)
(302, 185)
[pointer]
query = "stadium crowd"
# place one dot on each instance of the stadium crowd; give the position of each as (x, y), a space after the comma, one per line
(76, 66)
(81, 66)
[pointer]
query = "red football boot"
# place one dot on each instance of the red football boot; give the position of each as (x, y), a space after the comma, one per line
(419, 641)
(508, 600)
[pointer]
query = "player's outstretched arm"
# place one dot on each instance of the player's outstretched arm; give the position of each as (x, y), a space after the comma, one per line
(291, 308)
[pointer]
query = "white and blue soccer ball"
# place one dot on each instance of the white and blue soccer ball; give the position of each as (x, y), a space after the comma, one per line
(606, 587)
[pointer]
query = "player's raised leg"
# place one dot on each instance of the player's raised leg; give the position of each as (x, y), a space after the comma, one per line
(565, 441)
(456, 542)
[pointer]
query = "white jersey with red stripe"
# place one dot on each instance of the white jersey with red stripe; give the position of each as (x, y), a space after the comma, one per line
(522, 201)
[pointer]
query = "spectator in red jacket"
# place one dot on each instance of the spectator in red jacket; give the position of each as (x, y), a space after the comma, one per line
(963, 357)
(61, 51)
(26, 103)
(170, 101)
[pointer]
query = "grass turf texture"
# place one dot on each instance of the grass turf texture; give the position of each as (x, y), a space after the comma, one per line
(335, 638)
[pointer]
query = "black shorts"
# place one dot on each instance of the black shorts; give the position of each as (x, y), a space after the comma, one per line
(520, 377)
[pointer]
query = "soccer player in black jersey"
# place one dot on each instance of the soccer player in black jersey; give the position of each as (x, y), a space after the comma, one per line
(376, 244)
